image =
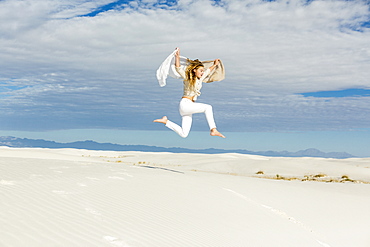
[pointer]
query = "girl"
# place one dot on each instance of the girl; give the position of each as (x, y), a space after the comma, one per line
(193, 78)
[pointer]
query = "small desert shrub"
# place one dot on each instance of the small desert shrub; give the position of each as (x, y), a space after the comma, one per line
(260, 172)
(279, 177)
(320, 175)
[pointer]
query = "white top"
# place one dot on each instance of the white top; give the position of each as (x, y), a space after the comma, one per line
(192, 91)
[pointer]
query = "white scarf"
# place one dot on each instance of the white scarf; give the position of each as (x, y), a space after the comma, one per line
(167, 68)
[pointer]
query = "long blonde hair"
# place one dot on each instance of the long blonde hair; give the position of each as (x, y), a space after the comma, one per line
(189, 72)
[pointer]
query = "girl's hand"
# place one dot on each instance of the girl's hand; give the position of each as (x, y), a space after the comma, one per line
(177, 52)
(215, 63)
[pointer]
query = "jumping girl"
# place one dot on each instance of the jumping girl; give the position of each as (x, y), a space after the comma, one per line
(193, 76)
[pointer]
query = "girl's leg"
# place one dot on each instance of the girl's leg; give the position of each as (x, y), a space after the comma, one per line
(184, 130)
(192, 107)
(189, 107)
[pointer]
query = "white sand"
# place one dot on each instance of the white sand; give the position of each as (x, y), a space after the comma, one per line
(72, 198)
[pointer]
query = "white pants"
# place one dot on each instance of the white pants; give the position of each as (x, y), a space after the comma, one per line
(187, 108)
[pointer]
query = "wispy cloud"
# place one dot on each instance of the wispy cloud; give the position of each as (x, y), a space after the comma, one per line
(92, 63)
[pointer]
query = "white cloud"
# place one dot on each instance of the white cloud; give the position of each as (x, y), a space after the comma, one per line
(271, 50)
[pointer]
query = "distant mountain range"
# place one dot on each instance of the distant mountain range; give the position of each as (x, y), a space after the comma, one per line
(92, 145)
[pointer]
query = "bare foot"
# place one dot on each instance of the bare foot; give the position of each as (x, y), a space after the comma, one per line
(161, 120)
(214, 132)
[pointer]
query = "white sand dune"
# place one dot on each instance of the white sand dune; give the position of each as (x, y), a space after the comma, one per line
(69, 197)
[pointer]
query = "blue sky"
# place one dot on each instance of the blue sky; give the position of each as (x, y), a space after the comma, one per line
(351, 92)
(297, 72)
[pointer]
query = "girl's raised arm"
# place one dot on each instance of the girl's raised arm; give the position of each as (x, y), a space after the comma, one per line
(177, 60)
(178, 64)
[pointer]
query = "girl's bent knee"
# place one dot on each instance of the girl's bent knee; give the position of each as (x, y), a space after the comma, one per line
(184, 135)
